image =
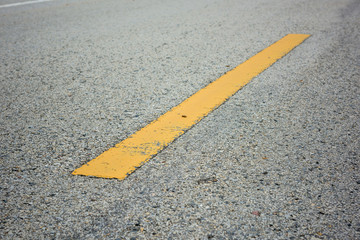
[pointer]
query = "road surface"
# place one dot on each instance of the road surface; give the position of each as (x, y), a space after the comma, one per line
(278, 160)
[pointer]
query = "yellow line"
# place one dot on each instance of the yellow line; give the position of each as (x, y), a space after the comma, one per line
(126, 156)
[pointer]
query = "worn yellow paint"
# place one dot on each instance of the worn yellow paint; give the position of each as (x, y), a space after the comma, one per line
(126, 156)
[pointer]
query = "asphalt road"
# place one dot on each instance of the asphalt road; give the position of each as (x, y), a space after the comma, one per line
(278, 160)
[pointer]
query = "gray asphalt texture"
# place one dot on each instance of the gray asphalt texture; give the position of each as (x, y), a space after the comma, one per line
(278, 160)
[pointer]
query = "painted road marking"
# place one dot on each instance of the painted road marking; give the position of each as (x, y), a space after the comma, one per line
(23, 3)
(126, 156)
